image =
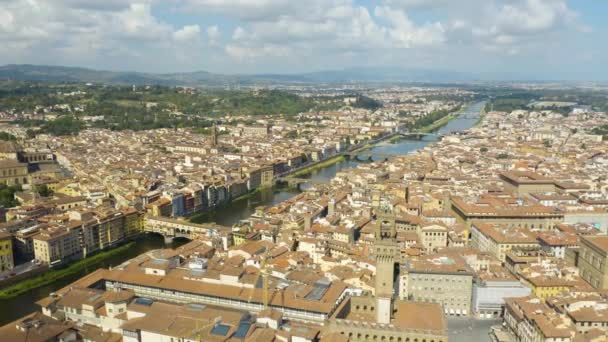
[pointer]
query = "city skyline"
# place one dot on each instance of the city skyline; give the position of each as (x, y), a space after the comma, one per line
(491, 40)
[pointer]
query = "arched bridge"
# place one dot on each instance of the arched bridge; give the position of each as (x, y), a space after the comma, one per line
(295, 182)
(367, 156)
(171, 228)
(419, 135)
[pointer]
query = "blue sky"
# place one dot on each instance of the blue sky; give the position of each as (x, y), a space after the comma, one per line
(503, 39)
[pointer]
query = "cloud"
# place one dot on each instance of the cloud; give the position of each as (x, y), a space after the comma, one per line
(331, 28)
(285, 34)
(188, 33)
(213, 33)
(406, 34)
(87, 31)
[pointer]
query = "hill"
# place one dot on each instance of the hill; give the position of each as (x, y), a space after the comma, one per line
(44, 73)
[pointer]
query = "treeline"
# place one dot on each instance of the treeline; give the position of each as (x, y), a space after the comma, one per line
(142, 108)
(430, 118)
(367, 103)
(510, 103)
(5, 136)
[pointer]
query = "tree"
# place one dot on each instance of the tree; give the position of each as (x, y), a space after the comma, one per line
(502, 156)
(7, 195)
(292, 134)
(483, 149)
(7, 136)
(43, 190)
(65, 125)
(30, 133)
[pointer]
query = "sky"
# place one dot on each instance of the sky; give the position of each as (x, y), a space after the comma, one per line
(525, 39)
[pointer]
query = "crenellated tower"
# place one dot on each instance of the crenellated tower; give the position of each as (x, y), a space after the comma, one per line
(385, 252)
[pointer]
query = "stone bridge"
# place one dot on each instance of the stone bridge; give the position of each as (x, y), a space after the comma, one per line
(171, 228)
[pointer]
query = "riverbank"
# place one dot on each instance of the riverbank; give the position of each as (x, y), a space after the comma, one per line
(206, 216)
(436, 125)
(308, 170)
(52, 276)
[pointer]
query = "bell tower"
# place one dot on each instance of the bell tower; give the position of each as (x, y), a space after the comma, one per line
(385, 253)
(214, 139)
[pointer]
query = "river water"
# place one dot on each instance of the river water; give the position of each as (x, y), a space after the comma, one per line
(14, 308)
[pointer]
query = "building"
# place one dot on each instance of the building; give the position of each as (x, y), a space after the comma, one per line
(525, 182)
(13, 172)
(9, 151)
(56, 245)
(491, 289)
(410, 322)
(7, 262)
(385, 252)
(382, 317)
(253, 131)
(267, 176)
(507, 211)
(433, 237)
(38, 327)
(530, 319)
(499, 240)
(593, 260)
(443, 279)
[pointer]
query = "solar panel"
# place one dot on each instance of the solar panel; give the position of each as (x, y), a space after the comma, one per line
(242, 330)
(144, 301)
(220, 330)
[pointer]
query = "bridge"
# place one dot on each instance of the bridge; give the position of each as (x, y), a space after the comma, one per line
(172, 228)
(419, 135)
(469, 116)
(295, 182)
(367, 156)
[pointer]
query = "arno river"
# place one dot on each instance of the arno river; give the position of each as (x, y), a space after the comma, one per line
(13, 308)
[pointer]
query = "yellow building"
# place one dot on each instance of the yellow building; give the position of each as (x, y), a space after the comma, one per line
(13, 172)
(133, 221)
(6, 252)
(545, 287)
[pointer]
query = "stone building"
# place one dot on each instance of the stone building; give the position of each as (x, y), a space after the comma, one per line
(382, 317)
(443, 279)
(13, 172)
(593, 260)
(525, 182)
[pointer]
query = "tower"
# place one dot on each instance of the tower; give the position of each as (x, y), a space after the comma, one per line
(214, 135)
(385, 252)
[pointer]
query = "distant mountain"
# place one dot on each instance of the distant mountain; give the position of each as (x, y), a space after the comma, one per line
(28, 72)
(391, 75)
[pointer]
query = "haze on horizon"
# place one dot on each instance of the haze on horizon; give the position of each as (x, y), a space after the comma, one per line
(502, 39)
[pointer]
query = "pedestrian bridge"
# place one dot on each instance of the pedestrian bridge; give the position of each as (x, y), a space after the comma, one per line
(172, 228)
(295, 182)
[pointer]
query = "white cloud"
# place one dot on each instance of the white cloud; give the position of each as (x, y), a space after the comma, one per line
(213, 33)
(304, 34)
(406, 34)
(187, 33)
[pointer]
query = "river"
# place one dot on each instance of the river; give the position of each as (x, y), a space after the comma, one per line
(14, 308)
